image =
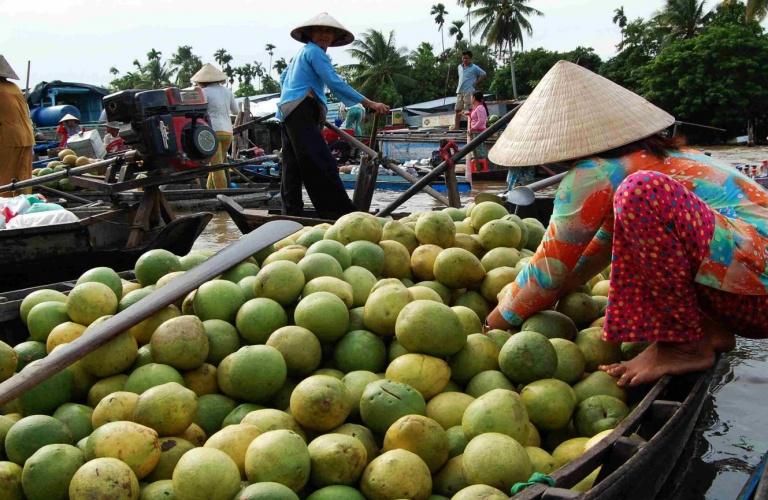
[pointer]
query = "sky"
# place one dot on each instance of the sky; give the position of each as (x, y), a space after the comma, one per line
(80, 40)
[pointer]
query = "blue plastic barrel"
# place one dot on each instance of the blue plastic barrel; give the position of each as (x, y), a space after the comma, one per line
(50, 116)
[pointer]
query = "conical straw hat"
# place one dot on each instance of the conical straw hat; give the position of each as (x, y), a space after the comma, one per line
(6, 71)
(301, 32)
(69, 117)
(573, 113)
(209, 74)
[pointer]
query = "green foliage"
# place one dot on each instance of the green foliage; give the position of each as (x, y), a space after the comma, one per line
(640, 42)
(716, 78)
(502, 23)
(682, 18)
(245, 90)
(153, 74)
(186, 64)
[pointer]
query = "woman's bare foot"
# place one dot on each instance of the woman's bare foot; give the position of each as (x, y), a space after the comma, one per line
(663, 358)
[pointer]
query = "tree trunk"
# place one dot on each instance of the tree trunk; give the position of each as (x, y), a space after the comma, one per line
(512, 71)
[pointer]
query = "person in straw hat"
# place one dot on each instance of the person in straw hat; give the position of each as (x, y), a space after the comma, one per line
(686, 235)
(69, 125)
(16, 134)
(302, 109)
(221, 107)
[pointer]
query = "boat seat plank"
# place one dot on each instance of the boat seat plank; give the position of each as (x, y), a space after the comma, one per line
(559, 494)
(662, 410)
(622, 450)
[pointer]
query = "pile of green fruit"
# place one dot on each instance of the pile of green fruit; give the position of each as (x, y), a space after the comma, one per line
(344, 362)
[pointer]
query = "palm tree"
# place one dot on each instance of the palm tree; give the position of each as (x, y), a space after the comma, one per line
(455, 31)
(468, 4)
(439, 12)
(619, 18)
(756, 10)
(223, 57)
(280, 65)
(380, 64)
(186, 64)
(258, 71)
(682, 18)
(271, 51)
(501, 23)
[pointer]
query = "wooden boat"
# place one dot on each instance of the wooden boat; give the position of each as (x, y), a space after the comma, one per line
(638, 457)
(36, 255)
(756, 487)
(397, 183)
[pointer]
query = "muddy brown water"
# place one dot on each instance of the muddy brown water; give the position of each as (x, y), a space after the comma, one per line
(730, 436)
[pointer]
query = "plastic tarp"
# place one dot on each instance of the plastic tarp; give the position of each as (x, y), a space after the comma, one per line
(38, 219)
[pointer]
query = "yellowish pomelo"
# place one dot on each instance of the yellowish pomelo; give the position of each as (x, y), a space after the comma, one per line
(104, 478)
(134, 444)
(180, 342)
(62, 334)
(234, 441)
(458, 268)
(320, 403)
(168, 408)
(299, 347)
(426, 374)
(420, 435)
(205, 474)
(202, 380)
(396, 474)
(436, 228)
(114, 407)
(336, 459)
(280, 456)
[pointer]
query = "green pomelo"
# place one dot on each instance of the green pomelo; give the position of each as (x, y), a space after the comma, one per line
(424, 293)
(290, 253)
(45, 316)
(383, 307)
(29, 351)
(499, 337)
(333, 248)
(360, 350)
(396, 474)
(362, 434)
(485, 212)
(237, 273)
(258, 318)
(599, 413)
(397, 231)
(442, 290)
(447, 408)
(358, 226)
(498, 410)
(151, 375)
(222, 339)
(336, 286)
(335, 492)
(474, 301)
(180, 342)
(551, 324)
(527, 356)
(336, 459)
(470, 322)
(104, 478)
(31, 433)
(602, 288)
(252, 373)
(631, 349)
(569, 450)
(320, 403)
(536, 232)
(153, 265)
(596, 350)
(458, 268)
(356, 382)
(269, 419)
(324, 314)
(114, 357)
(579, 307)
(212, 409)
(205, 474)
(105, 276)
(48, 472)
(496, 460)
(541, 461)
(479, 354)
(279, 456)
(500, 233)
(480, 491)
(428, 327)
(269, 490)
(598, 383)
(456, 214)
(132, 297)
(38, 297)
(495, 280)
(8, 361)
(457, 440)
(168, 409)
(420, 435)
(500, 257)
(487, 381)
(450, 480)
(361, 280)
(77, 418)
(240, 411)
(570, 361)
(49, 394)
(281, 281)
(133, 443)
(105, 387)
(319, 264)
(247, 286)
(426, 374)
(158, 490)
(549, 403)
(385, 401)
(192, 259)
(10, 481)
(368, 255)
(435, 228)
(299, 347)
(218, 299)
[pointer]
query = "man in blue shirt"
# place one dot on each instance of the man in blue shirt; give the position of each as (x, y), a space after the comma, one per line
(470, 74)
(302, 109)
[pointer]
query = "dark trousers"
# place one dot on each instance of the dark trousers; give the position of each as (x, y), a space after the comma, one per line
(307, 160)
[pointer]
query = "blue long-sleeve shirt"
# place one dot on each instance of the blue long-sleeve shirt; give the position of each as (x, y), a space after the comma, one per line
(312, 71)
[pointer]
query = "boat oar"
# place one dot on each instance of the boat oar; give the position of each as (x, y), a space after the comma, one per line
(36, 181)
(525, 195)
(102, 333)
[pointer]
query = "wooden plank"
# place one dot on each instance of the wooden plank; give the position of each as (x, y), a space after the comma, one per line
(366, 176)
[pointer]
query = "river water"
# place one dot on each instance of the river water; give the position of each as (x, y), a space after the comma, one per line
(730, 436)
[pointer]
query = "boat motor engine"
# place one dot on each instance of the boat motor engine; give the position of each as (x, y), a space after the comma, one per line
(168, 127)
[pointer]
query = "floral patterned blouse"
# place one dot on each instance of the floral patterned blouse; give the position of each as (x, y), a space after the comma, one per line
(577, 243)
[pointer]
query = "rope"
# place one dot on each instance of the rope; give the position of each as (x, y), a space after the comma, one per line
(536, 478)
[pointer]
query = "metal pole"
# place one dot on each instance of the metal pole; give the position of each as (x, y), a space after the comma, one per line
(481, 137)
(26, 88)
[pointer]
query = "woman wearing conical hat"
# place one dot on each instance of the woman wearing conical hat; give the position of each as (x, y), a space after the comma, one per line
(686, 235)
(221, 105)
(16, 135)
(302, 109)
